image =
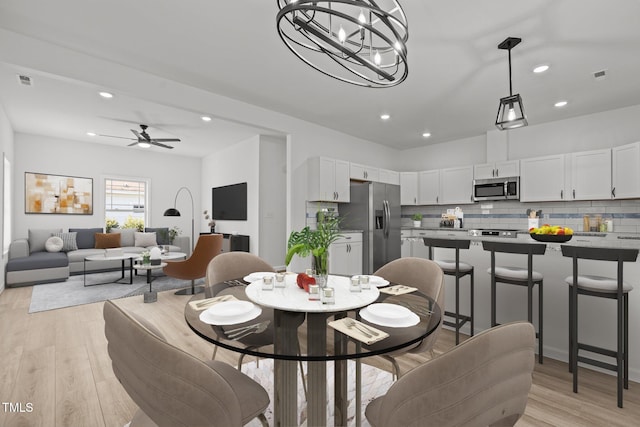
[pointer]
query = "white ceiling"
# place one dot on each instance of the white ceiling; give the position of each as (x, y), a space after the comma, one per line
(231, 48)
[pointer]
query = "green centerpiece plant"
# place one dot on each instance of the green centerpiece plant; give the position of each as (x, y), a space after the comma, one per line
(315, 243)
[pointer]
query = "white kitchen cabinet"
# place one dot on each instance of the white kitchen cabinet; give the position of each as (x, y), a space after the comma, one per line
(363, 172)
(345, 255)
(543, 179)
(429, 187)
(456, 185)
(389, 177)
(418, 248)
(408, 188)
(591, 175)
(625, 173)
(328, 180)
(503, 169)
(405, 243)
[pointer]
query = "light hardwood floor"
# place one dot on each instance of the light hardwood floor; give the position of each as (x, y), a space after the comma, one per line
(57, 361)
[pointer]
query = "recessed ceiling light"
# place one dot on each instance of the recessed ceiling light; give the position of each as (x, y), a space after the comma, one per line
(106, 95)
(91, 133)
(541, 68)
(560, 104)
(385, 116)
(426, 135)
(206, 118)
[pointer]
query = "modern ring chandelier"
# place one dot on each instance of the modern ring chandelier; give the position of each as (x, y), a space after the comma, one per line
(362, 42)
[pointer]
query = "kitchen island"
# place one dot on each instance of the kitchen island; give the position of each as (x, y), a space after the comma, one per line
(597, 317)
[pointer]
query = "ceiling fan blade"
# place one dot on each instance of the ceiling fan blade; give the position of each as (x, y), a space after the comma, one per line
(120, 137)
(132, 144)
(165, 140)
(153, 142)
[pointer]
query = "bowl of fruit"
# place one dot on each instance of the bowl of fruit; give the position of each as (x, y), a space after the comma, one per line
(551, 233)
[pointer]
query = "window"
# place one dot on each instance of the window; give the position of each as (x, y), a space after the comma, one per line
(125, 201)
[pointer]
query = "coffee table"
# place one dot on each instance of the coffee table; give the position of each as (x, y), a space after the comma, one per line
(102, 257)
(151, 296)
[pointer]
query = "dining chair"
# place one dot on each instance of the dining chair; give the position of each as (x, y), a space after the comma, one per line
(173, 388)
(428, 277)
(484, 381)
(195, 267)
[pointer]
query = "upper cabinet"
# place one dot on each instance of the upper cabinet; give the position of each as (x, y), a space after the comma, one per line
(408, 188)
(389, 177)
(328, 179)
(429, 187)
(625, 175)
(591, 175)
(542, 179)
(456, 185)
(363, 172)
(497, 170)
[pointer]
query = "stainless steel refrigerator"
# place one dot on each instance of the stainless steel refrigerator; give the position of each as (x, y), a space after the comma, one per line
(375, 209)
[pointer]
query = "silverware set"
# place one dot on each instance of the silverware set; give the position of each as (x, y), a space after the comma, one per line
(212, 301)
(418, 309)
(244, 331)
(234, 283)
(365, 330)
(399, 288)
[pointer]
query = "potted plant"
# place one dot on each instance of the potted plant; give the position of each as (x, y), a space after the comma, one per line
(417, 219)
(173, 233)
(315, 243)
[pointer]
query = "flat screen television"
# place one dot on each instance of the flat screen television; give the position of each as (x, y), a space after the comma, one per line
(229, 202)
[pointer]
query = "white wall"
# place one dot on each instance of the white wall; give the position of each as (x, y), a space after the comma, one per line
(6, 144)
(273, 200)
(166, 172)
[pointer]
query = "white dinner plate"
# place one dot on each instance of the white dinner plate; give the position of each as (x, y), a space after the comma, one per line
(258, 275)
(378, 281)
(230, 313)
(401, 322)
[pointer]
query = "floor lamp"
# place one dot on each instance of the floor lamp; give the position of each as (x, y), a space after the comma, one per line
(175, 212)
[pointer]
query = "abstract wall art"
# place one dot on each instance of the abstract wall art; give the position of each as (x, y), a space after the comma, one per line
(57, 194)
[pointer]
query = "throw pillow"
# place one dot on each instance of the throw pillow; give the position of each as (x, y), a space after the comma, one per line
(107, 240)
(162, 235)
(145, 239)
(68, 241)
(126, 236)
(53, 244)
(86, 237)
(38, 237)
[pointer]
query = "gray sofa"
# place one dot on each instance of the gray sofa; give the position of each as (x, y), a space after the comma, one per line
(30, 262)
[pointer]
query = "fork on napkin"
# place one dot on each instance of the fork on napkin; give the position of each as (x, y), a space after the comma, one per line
(398, 290)
(202, 304)
(358, 330)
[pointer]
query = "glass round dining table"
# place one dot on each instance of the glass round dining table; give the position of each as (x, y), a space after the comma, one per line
(284, 325)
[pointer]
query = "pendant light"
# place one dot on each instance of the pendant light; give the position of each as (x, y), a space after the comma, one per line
(362, 42)
(510, 111)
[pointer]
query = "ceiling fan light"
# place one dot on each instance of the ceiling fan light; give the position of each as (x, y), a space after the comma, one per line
(143, 144)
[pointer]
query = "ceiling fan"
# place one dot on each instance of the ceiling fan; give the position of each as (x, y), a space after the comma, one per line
(144, 140)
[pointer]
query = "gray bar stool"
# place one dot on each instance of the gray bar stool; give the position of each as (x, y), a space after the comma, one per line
(603, 287)
(517, 276)
(456, 269)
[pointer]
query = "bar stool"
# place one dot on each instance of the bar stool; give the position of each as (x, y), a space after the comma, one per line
(603, 287)
(517, 276)
(456, 269)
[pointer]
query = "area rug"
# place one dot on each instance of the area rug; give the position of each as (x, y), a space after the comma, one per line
(375, 382)
(72, 292)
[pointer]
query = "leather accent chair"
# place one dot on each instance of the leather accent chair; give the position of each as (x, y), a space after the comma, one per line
(428, 277)
(195, 267)
(484, 381)
(173, 388)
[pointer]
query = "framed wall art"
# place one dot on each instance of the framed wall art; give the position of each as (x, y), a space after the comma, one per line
(57, 194)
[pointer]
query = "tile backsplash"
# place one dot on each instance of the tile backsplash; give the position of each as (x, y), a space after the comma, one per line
(513, 214)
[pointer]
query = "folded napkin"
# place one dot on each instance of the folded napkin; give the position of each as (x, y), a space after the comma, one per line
(202, 304)
(398, 290)
(360, 331)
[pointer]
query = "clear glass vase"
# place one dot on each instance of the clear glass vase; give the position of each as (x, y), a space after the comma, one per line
(321, 268)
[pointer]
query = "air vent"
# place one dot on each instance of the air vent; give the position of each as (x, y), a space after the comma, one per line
(600, 75)
(25, 80)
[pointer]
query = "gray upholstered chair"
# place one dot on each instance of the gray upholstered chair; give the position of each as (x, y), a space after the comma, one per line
(484, 381)
(172, 388)
(428, 277)
(230, 266)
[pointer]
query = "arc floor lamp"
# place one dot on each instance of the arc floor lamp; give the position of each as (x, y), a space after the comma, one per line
(175, 212)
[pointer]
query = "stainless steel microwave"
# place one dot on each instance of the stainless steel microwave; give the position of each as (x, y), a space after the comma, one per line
(496, 189)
